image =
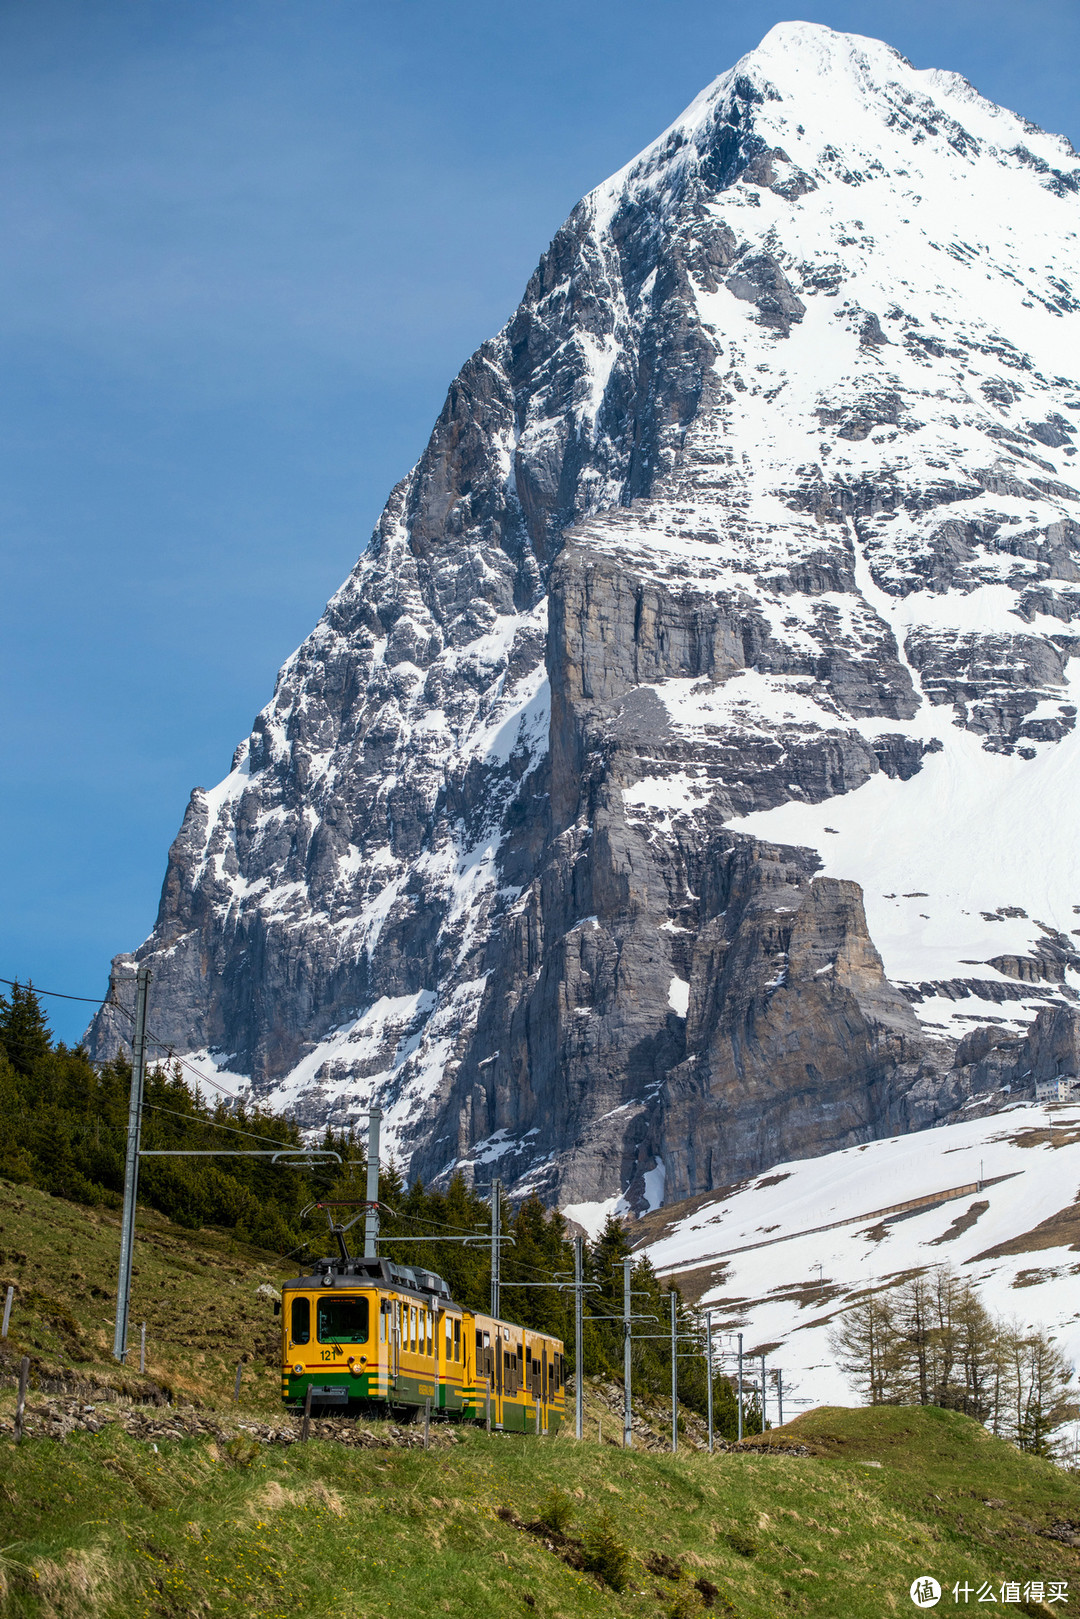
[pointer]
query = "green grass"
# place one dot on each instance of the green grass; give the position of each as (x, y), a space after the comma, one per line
(103, 1525)
(196, 1291)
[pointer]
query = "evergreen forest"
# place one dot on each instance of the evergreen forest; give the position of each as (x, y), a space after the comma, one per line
(63, 1129)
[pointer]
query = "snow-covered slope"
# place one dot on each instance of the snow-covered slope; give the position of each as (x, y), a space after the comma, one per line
(739, 571)
(784, 1289)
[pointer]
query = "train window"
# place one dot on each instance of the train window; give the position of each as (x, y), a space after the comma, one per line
(343, 1321)
(412, 1327)
(301, 1321)
(457, 1339)
(449, 1339)
(384, 1312)
(479, 1343)
(430, 1333)
(487, 1340)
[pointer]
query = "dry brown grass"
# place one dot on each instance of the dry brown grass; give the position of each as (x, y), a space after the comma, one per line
(79, 1586)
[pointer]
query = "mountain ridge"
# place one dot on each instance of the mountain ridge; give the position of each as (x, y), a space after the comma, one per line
(755, 504)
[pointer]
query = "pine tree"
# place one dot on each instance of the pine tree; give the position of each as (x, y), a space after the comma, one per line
(23, 1029)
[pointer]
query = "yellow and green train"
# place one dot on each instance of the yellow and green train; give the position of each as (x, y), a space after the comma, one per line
(369, 1335)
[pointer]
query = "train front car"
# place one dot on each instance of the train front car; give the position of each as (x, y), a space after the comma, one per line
(369, 1335)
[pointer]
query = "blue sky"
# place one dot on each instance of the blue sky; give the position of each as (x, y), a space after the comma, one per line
(244, 247)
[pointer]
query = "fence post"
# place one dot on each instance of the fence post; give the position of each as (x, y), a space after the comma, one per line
(20, 1403)
(487, 1410)
(142, 1347)
(427, 1424)
(305, 1426)
(7, 1310)
(538, 1428)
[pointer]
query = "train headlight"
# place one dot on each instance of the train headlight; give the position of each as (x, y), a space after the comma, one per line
(298, 1371)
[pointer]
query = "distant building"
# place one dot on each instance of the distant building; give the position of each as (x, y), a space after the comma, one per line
(1061, 1089)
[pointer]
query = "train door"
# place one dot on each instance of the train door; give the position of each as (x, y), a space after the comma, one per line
(456, 1346)
(450, 1401)
(438, 1327)
(386, 1338)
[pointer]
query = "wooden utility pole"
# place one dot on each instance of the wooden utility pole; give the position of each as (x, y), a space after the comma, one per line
(20, 1399)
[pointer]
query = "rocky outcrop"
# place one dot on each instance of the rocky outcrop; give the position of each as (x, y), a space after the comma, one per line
(762, 500)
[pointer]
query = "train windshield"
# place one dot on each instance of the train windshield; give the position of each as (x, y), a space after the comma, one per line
(343, 1321)
(301, 1321)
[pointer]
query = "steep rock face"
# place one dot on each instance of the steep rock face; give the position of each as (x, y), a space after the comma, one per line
(719, 640)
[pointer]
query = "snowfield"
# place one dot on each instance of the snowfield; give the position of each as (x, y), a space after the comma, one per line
(772, 1291)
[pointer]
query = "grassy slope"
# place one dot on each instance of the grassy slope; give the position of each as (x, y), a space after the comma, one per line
(105, 1525)
(196, 1291)
(320, 1530)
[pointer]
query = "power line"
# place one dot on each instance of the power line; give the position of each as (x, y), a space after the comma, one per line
(163, 1045)
(155, 1040)
(59, 995)
(212, 1124)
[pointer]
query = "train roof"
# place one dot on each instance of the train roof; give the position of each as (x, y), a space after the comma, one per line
(333, 1272)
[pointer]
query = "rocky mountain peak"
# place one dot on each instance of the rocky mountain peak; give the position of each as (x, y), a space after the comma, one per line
(685, 766)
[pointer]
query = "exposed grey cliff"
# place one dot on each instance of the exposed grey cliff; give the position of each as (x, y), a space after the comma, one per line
(762, 501)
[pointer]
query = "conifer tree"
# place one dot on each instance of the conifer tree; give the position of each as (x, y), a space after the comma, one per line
(23, 1029)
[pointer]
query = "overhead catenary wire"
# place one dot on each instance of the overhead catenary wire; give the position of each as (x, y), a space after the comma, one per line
(59, 994)
(213, 1124)
(153, 1039)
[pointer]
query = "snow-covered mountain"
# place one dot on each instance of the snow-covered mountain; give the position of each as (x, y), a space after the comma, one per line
(683, 779)
(781, 1257)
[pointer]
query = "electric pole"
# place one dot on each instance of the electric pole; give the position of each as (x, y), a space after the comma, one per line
(674, 1376)
(708, 1374)
(579, 1337)
(371, 1217)
(131, 1163)
(740, 1385)
(628, 1434)
(496, 1232)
